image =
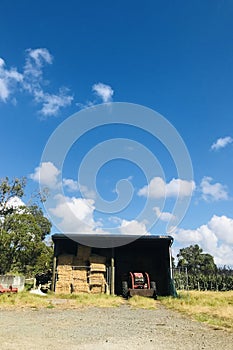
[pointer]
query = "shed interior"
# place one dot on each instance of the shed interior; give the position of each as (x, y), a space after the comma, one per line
(147, 253)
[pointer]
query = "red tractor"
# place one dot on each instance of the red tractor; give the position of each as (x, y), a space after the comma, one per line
(138, 283)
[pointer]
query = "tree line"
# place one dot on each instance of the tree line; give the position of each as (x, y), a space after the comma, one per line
(197, 270)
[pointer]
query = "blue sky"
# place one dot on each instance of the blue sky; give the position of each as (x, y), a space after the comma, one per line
(175, 57)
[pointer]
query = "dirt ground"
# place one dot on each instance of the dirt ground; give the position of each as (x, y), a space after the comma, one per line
(106, 328)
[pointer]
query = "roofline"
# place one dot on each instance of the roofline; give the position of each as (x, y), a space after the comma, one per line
(57, 236)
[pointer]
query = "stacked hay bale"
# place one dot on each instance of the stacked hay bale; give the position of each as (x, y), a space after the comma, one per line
(79, 280)
(80, 270)
(97, 279)
(64, 270)
(83, 273)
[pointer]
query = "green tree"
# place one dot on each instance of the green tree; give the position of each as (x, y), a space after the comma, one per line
(196, 261)
(23, 233)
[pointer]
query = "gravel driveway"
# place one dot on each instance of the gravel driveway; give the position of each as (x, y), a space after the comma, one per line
(106, 328)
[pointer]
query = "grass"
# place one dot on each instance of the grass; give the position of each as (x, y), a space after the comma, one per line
(64, 301)
(214, 308)
(142, 302)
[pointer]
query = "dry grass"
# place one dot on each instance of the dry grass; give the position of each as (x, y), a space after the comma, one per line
(66, 301)
(21, 300)
(214, 308)
(142, 302)
(27, 300)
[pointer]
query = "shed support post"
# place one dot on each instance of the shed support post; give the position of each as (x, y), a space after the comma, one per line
(54, 273)
(112, 285)
(170, 262)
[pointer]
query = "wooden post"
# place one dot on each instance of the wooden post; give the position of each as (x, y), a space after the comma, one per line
(112, 285)
(54, 273)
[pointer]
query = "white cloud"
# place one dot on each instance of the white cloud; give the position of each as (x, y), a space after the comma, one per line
(222, 226)
(164, 216)
(86, 192)
(213, 192)
(221, 143)
(215, 238)
(70, 184)
(40, 56)
(105, 92)
(52, 103)
(76, 214)
(15, 202)
(8, 80)
(33, 69)
(157, 188)
(74, 186)
(32, 81)
(46, 174)
(133, 227)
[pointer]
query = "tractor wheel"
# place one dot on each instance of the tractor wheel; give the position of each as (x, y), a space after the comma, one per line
(153, 286)
(125, 289)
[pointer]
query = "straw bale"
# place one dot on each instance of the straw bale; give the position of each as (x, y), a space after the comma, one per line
(97, 289)
(62, 287)
(64, 268)
(97, 279)
(97, 267)
(81, 288)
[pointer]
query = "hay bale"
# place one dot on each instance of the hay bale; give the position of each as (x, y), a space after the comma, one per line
(63, 287)
(97, 289)
(97, 279)
(97, 267)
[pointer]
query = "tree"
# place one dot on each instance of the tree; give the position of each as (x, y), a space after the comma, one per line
(195, 260)
(23, 231)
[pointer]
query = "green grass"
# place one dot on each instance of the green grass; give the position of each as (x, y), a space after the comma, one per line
(214, 308)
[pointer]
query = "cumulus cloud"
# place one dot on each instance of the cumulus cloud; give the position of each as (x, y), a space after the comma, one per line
(133, 227)
(221, 143)
(70, 184)
(215, 238)
(164, 216)
(86, 192)
(222, 226)
(157, 188)
(105, 92)
(46, 174)
(212, 192)
(76, 214)
(9, 78)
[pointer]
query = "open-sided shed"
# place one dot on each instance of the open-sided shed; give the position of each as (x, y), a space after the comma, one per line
(121, 254)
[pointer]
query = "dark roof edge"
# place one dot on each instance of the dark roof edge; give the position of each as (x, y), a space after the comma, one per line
(57, 236)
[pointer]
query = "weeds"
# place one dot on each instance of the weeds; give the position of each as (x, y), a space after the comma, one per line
(214, 308)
